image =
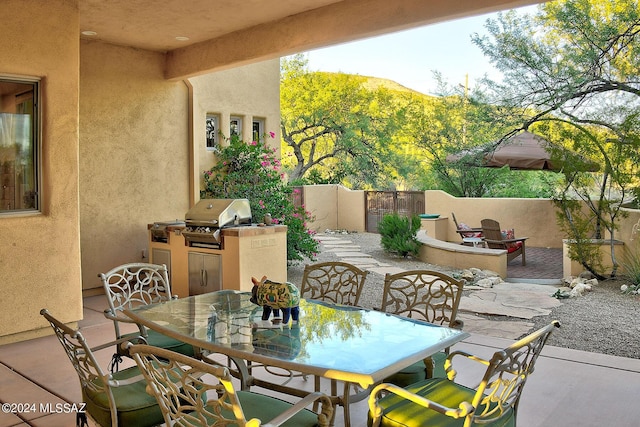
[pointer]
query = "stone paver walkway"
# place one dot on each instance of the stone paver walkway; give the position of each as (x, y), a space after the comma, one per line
(519, 300)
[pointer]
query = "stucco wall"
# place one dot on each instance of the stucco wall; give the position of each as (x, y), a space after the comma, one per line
(532, 218)
(40, 254)
(322, 202)
(134, 154)
(251, 91)
(136, 159)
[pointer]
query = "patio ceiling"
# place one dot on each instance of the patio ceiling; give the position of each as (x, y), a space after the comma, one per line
(226, 33)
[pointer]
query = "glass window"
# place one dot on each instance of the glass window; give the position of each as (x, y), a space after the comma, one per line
(235, 126)
(19, 149)
(258, 129)
(213, 130)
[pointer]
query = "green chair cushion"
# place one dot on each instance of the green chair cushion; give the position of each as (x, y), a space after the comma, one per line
(418, 371)
(159, 340)
(265, 408)
(399, 412)
(135, 406)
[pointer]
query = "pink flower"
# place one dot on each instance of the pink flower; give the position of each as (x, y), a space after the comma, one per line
(264, 163)
(254, 143)
(272, 134)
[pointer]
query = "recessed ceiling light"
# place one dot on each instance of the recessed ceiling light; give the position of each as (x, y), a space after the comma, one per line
(89, 33)
(182, 38)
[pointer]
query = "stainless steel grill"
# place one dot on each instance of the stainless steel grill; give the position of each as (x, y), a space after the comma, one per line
(204, 221)
(160, 230)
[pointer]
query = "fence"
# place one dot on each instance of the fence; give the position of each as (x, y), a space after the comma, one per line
(380, 203)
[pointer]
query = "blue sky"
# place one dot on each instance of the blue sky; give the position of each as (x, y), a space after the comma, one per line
(410, 57)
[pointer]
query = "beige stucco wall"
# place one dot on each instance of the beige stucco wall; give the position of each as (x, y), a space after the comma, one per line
(134, 147)
(322, 202)
(248, 92)
(121, 148)
(335, 207)
(136, 157)
(40, 254)
(351, 215)
(532, 218)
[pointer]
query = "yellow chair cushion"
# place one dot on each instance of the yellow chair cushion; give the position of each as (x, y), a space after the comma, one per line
(399, 412)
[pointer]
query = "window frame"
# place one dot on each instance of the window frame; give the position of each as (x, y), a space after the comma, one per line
(35, 143)
(259, 134)
(238, 125)
(216, 131)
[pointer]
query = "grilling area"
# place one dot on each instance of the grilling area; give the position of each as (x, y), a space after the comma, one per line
(218, 247)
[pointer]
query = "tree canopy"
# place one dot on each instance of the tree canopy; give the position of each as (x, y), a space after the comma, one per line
(573, 69)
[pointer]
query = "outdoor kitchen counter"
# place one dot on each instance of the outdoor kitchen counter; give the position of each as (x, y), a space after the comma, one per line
(253, 230)
(247, 251)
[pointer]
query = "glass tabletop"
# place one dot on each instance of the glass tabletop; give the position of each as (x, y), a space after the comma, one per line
(327, 337)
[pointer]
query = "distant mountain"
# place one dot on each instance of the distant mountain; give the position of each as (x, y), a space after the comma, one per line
(374, 83)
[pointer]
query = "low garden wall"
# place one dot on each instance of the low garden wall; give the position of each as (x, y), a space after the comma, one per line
(336, 207)
(439, 252)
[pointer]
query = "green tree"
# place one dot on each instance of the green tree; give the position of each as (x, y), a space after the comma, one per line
(334, 128)
(574, 69)
(456, 121)
(252, 171)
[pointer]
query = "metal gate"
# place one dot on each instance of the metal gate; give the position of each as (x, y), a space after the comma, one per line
(379, 203)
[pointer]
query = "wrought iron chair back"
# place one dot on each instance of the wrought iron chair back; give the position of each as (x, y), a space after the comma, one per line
(192, 392)
(96, 384)
(423, 294)
(133, 285)
(506, 375)
(335, 282)
(493, 402)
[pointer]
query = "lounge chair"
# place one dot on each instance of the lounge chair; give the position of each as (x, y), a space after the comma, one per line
(495, 239)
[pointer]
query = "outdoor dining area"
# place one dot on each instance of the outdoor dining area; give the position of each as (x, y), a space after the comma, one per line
(224, 357)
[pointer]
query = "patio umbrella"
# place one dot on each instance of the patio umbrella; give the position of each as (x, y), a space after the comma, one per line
(524, 151)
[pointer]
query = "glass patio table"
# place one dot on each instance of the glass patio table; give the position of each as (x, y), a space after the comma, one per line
(342, 343)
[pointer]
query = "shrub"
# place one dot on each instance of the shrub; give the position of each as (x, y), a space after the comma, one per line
(398, 234)
(631, 267)
(251, 171)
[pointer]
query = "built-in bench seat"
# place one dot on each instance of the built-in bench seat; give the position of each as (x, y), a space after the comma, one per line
(434, 251)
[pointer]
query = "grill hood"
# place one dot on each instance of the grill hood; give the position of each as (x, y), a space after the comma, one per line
(218, 213)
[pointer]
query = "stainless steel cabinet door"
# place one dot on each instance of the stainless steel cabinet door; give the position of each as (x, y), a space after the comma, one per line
(205, 273)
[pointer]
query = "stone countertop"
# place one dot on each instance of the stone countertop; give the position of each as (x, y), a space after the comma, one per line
(240, 231)
(253, 230)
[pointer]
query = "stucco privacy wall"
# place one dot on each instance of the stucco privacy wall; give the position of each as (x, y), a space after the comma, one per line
(336, 207)
(40, 253)
(532, 218)
(134, 154)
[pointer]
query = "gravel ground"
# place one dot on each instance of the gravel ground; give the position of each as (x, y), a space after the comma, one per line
(602, 321)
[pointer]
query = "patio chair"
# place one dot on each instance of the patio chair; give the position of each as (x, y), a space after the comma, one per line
(134, 285)
(338, 283)
(425, 295)
(494, 238)
(118, 399)
(335, 282)
(195, 393)
(464, 230)
(442, 401)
